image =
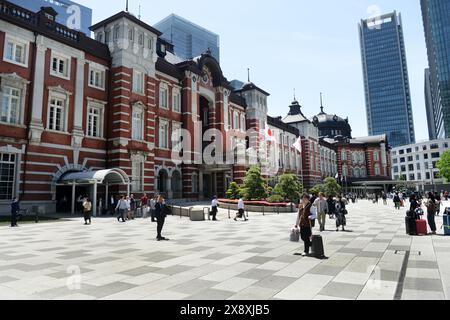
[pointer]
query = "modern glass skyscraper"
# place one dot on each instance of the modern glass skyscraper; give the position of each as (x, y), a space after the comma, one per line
(388, 98)
(436, 20)
(189, 39)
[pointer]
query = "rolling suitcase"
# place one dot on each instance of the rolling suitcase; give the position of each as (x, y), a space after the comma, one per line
(447, 225)
(410, 226)
(421, 227)
(317, 246)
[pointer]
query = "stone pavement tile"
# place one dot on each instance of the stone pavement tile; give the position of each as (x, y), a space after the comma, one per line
(350, 250)
(105, 290)
(197, 262)
(275, 282)
(76, 297)
(228, 272)
(305, 288)
(389, 276)
(342, 290)
(235, 284)
(422, 295)
(423, 273)
(326, 270)
(379, 290)
(194, 286)
(102, 260)
(259, 250)
(211, 294)
(299, 268)
(139, 271)
(144, 278)
(370, 254)
(216, 256)
(257, 274)
(340, 259)
(355, 278)
(167, 295)
(6, 279)
(258, 260)
(329, 298)
(423, 264)
(273, 265)
(423, 284)
(240, 257)
(174, 270)
(362, 264)
(254, 293)
(105, 280)
(286, 259)
(8, 257)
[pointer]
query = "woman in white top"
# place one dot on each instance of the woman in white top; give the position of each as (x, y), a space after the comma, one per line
(87, 209)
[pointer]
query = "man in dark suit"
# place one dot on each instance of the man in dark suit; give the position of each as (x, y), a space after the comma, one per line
(15, 208)
(160, 215)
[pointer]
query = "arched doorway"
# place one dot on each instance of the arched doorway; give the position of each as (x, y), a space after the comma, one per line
(177, 186)
(163, 178)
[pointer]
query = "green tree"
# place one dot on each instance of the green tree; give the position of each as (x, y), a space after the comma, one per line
(444, 166)
(331, 188)
(317, 189)
(289, 187)
(234, 192)
(254, 187)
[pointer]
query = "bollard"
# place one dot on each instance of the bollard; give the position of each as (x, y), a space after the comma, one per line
(229, 214)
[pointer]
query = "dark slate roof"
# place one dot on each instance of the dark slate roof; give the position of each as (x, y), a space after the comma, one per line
(251, 86)
(37, 22)
(130, 17)
(237, 99)
(166, 67)
(278, 123)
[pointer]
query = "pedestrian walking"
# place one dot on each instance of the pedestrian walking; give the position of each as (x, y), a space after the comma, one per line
(87, 210)
(438, 200)
(152, 206)
(214, 208)
(144, 206)
(241, 210)
(132, 207)
(15, 208)
(341, 212)
(322, 210)
(397, 201)
(331, 206)
(121, 208)
(160, 215)
(384, 197)
(304, 222)
(432, 207)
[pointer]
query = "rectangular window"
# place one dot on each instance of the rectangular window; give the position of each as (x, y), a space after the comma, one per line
(164, 134)
(411, 167)
(141, 39)
(60, 67)
(376, 156)
(164, 96)
(7, 175)
(434, 146)
(410, 159)
(99, 37)
(116, 33)
(107, 36)
(95, 114)
(97, 78)
(138, 124)
(425, 156)
(137, 176)
(236, 121)
(15, 52)
(138, 82)
(435, 155)
(131, 34)
(56, 117)
(10, 105)
(176, 101)
(243, 122)
(150, 43)
(176, 136)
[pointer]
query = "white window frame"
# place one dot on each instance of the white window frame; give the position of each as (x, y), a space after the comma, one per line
(243, 122)
(116, 32)
(15, 173)
(138, 136)
(16, 43)
(137, 173)
(163, 136)
(236, 120)
(377, 170)
(176, 100)
(376, 156)
(10, 96)
(141, 39)
(67, 65)
(92, 104)
(131, 33)
(97, 68)
(63, 107)
(164, 96)
(138, 89)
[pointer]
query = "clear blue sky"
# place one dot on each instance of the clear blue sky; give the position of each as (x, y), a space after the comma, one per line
(312, 46)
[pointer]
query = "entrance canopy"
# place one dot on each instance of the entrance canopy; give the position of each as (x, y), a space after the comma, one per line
(106, 177)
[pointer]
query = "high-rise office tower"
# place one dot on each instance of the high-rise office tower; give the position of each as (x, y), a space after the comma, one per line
(388, 98)
(429, 104)
(436, 20)
(190, 40)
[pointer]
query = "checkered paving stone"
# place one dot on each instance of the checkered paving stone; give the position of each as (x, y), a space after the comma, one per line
(222, 260)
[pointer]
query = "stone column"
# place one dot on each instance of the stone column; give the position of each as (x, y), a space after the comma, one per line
(36, 125)
(77, 132)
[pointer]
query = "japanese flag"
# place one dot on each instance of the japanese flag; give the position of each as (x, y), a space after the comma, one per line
(269, 133)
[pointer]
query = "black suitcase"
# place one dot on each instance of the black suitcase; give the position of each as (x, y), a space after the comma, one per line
(410, 224)
(317, 246)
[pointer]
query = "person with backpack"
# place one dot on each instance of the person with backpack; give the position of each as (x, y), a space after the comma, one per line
(431, 212)
(161, 211)
(341, 212)
(322, 210)
(304, 222)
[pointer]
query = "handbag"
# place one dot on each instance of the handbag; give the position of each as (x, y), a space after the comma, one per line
(295, 235)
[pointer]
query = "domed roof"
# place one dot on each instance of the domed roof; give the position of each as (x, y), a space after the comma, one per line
(332, 125)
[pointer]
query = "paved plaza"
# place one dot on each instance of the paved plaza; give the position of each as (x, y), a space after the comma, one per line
(223, 260)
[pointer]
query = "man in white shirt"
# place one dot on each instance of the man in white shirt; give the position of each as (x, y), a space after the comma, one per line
(122, 208)
(214, 208)
(241, 210)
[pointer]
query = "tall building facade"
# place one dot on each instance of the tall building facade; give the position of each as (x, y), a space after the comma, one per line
(436, 19)
(429, 104)
(386, 83)
(190, 40)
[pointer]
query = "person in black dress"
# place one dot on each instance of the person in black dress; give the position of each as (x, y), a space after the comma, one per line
(160, 215)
